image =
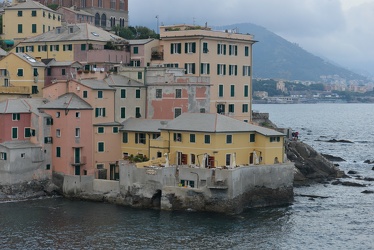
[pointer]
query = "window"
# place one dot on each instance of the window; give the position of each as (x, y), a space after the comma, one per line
(58, 151)
(140, 138)
(137, 112)
(233, 70)
(232, 90)
(137, 93)
(177, 136)
(202, 110)
(221, 49)
(14, 133)
(100, 130)
(246, 51)
(29, 48)
(112, 4)
(123, 93)
(158, 93)
(19, 13)
(58, 114)
(123, 112)
(34, 89)
(245, 90)
(245, 108)
(20, 72)
(228, 159)
(83, 47)
(189, 68)
(33, 28)
(221, 69)
(136, 50)
(274, 139)
(252, 137)
(231, 108)
(99, 112)
(190, 47)
(100, 3)
(63, 72)
(68, 47)
(205, 48)
(3, 156)
(140, 75)
(193, 159)
(77, 132)
(178, 93)
(176, 48)
(205, 69)
(48, 167)
(220, 90)
(233, 50)
(246, 70)
(125, 137)
(77, 114)
(122, 5)
(192, 138)
(33, 13)
(100, 146)
(100, 94)
(49, 121)
(171, 65)
(85, 94)
(42, 48)
(27, 132)
(48, 140)
(58, 133)
(228, 139)
(16, 116)
(115, 130)
(207, 139)
(135, 63)
(177, 112)
(155, 136)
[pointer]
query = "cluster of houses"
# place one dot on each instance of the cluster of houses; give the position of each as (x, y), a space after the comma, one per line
(76, 99)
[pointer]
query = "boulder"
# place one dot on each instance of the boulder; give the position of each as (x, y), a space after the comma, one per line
(348, 183)
(340, 141)
(311, 165)
(333, 158)
(352, 172)
(367, 192)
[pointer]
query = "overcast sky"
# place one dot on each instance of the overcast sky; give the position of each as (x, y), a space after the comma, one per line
(339, 30)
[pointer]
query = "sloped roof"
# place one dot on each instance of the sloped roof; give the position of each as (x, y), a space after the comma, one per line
(21, 105)
(55, 63)
(116, 80)
(67, 101)
(29, 59)
(76, 11)
(96, 84)
(143, 125)
(29, 5)
(215, 123)
(19, 144)
(3, 52)
(81, 32)
(140, 41)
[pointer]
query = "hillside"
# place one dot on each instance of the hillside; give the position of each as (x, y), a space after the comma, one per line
(275, 57)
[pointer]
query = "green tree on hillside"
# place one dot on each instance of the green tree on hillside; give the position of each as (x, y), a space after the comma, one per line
(137, 32)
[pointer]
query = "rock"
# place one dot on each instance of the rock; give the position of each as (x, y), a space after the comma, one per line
(352, 172)
(368, 179)
(372, 168)
(352, 184)
(311, 166)
(368, 161)
(341, 141)
(367, 192)
(332, 158)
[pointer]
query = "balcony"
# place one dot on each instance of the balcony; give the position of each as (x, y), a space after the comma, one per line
(157, 55)
(78, 162)
(159, 143)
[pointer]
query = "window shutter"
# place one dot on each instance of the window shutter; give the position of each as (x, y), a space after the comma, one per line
(50, 47)
(201, 68)
(230, 48)
(193, 47)
(208, 68)
(103, 112)
(243, 70)
(249, 70)
(193, 68)
(64, 47)
(174, 136)
(218, 49)
(224, 69)
(185, 68)
(218, 69)
(236, 50)
(136, 138)
(57, 47)
(186, 48)
(236, 70)
(172, 48)
(39, 48)
(96, 112)
(16, 49)
(224, 49)
(4, 156)
(230, 71)
(179, 48)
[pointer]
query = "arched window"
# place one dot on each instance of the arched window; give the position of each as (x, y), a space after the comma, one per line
(112, 21)
(97, 19)
(103, 20)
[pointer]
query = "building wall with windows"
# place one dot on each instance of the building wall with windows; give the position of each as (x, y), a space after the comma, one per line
(28, 19)
(225, 57)
(21, 75)
(141, 51)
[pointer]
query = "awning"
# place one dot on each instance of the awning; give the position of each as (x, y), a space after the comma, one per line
(9, 42)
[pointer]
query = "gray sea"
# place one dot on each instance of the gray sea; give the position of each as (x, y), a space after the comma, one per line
(344, 220)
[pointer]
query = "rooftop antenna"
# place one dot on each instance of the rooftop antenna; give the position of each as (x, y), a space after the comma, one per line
(158, 19)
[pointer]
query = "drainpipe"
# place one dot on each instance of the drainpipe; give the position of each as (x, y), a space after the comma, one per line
(149, 146)
(146, 93)
(199, 63)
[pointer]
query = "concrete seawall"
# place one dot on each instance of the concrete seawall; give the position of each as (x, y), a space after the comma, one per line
(186, 188)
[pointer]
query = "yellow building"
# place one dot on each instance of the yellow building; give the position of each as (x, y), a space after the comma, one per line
(224, 56)
(21, 75)
(205, 140)
(28, 19)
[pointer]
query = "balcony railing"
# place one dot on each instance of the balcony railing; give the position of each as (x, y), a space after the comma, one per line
(79, 162)
(157, 55)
